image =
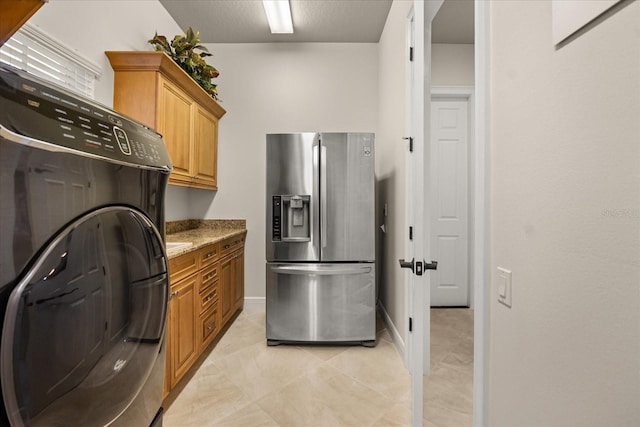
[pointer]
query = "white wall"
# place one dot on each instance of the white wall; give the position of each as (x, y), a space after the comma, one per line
(279, 87)
(452, 64)
(565, 218)
(92, 27)
(390, 163)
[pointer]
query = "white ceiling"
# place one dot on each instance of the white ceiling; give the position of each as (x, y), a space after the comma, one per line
(348, 21)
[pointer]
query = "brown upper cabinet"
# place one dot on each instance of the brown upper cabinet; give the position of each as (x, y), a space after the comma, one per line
(151, 88)
(14, 13)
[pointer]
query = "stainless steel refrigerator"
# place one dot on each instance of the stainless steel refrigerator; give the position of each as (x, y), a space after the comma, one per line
(320, 238)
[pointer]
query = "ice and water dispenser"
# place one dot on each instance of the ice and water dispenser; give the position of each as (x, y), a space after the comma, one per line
(291, 218)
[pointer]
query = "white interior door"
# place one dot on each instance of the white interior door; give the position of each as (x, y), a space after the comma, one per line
(418, 208)
(450, 202)
(415, 291)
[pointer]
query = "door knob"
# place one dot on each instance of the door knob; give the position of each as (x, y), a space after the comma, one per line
(407, 264)
(433, 265)
(418, 267)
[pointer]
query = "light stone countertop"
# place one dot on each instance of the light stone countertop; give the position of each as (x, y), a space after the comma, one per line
(201, 233)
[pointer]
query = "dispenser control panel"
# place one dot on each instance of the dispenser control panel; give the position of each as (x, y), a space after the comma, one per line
(277, 217)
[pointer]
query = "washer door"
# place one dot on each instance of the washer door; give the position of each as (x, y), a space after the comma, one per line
(85, 325)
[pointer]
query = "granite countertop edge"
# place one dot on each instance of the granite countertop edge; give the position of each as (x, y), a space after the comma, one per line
(205, 233)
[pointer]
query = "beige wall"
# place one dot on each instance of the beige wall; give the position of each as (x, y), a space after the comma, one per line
(452, 64)
(565, 218)
(390, 162)
(279, 87)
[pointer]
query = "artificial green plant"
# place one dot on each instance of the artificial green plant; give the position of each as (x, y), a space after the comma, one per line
(182, 51)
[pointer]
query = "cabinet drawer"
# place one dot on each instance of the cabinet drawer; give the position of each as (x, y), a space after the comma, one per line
(182, 266)
(209, 254)
(208, 276)
(231, 244)
(210, 325)
(209, 297)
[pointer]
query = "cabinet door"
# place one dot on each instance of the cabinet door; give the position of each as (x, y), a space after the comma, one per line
(15, 14)
(231, 284)
(205, 149)
(174, 123)
(183, 327)
(226, 288)
(238, 280)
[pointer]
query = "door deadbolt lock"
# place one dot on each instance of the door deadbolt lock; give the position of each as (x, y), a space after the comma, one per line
(418, 267)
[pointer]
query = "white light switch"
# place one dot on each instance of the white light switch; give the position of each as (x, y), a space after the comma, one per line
(504, 286)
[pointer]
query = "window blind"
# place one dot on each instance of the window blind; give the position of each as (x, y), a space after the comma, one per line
(38, 53)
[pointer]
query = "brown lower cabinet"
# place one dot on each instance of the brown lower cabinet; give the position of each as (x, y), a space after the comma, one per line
(232, 280)
(207, 288)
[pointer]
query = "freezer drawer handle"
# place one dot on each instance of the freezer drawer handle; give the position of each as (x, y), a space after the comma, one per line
(321, 272)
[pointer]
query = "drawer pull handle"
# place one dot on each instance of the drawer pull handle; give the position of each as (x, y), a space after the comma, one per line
(227, 246)
(210, 297)
(174, 294)
(211, 326)
(210, 275)
(210, 254)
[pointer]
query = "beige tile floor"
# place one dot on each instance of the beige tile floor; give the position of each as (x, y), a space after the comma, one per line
(245, 383)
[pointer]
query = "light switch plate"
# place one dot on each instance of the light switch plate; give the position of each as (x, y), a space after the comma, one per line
(504, 286)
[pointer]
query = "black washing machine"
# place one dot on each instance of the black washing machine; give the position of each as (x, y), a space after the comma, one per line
(83, 269)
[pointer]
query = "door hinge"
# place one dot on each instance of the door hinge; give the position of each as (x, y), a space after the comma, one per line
(410, 233)
(410, 138)
(410, 324)
(411, 53)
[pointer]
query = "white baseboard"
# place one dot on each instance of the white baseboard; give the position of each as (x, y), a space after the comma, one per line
(398, 342)
(255, 304)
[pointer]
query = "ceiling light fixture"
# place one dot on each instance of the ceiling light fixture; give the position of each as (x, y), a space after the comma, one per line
(279, 16)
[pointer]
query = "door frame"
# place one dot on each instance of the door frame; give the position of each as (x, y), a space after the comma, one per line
(417, 287)
(481, 191)
(413, 290)
(481, 205)
(465, 93)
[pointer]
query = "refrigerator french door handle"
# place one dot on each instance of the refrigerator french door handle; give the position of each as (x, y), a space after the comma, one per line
(323, 195)
(298, 270)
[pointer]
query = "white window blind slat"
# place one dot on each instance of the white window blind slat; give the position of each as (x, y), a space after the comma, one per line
(34, 51)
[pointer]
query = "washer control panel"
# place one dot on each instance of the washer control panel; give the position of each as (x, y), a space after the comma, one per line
(40, 110)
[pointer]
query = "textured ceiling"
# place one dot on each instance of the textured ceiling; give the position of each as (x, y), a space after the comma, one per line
(346, 21)
(244, 21)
